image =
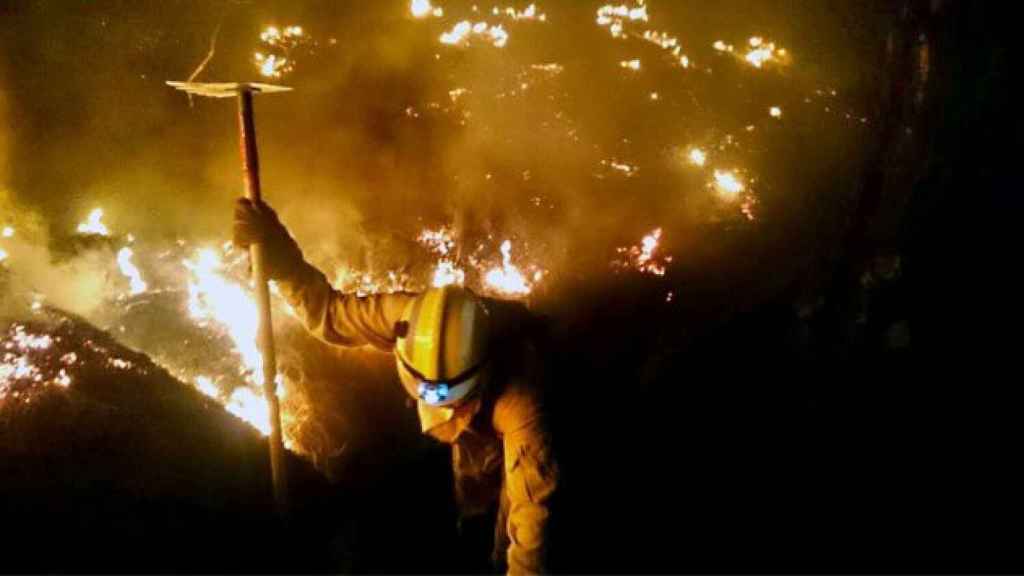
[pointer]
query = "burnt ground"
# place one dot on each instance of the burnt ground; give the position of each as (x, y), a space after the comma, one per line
(129, 470)
(868, 424)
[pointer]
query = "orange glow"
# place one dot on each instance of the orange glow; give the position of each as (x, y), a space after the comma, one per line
(642, 257)
(507, 279)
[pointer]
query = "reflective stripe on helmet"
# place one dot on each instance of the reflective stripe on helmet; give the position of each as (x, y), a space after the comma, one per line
(444, 342)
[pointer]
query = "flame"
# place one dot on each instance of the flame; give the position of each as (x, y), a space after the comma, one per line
(280, 43)
(214, 298)
(205, 385)
(3, 255)
(128, 269)
(759, 52)
(25, 341)
(633, 64)
(120, 363)
(17, 366)
(94, 224)
(272, 35)
(668, 43)
(762, 52)
(698, 157)
(446, 274)
(661, 39)
(728, 184)
(614, 17)
(461, 33)
(271, 66)
(626, 169)
(507, 279)
(250, 407)
(62, 379)
(530, 13)
(423, 8)
(642, 258)
(775, 112)
(442, 243)
(8, 232)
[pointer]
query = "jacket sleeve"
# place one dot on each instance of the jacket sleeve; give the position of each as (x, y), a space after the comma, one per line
(339, 318)
(531, 476)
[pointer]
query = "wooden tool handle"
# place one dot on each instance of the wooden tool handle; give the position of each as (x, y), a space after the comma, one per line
(251, 164)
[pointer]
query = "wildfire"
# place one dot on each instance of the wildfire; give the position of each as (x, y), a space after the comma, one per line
(8, 232)
(94, 224)
(697, 157)
(446, 274)
(668, 43)
(423, 8)
(775, 112)
(758, 53)
(626, 169)
(661, 39)
(128, 269)
(205, 385)
(251, 407)
(18, 367)
(214, 298)
(633, 64)
(530, 13)
(279, 45)
(460, 34)
(271, 66)
(273, 36)
(508, 279)
(614, 17)
(728, 184)
(642, 257)
(761, 52)
(442, 243)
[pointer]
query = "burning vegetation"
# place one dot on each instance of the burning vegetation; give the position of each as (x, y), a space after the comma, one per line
(490, 240)
(640, 173)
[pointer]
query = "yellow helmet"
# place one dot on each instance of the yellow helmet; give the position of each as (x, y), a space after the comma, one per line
(442, 345)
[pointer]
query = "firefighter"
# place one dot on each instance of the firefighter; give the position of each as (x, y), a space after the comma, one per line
(471, 367)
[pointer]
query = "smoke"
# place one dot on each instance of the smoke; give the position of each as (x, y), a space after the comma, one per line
(548, 142)
(389, 131)
(79, 282)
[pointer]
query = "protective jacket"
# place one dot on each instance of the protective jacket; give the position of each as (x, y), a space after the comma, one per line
(501, 447)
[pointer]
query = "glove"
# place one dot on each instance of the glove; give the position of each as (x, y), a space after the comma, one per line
(257, 223)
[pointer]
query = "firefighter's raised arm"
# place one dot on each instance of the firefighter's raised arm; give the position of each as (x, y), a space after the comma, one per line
(332, 316)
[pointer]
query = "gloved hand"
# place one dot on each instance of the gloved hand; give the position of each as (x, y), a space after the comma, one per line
(256, 222)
